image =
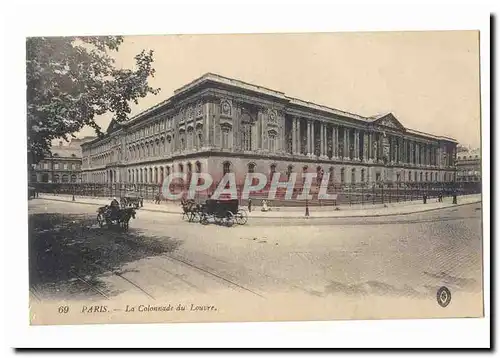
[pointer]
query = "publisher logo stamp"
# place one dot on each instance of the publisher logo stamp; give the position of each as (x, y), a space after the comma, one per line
(444, 296)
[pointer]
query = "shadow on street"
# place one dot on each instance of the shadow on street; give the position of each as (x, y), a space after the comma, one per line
(70, 255)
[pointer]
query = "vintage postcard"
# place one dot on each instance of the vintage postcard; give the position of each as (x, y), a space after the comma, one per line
(256, 177)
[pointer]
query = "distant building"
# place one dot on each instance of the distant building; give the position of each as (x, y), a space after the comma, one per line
(468, 165)
(63, 165)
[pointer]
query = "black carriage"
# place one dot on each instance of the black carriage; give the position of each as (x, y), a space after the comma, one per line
(120, 219)
(225, 212)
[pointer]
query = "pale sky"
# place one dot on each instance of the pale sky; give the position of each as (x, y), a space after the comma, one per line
(428, 80)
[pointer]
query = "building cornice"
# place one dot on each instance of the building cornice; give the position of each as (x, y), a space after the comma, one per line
(215, 85)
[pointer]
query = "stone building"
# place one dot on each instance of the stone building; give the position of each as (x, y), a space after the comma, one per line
(63, 165)
(218, 125)
(468, 165)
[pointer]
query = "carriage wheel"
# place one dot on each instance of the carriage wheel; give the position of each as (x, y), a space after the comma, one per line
(204, 219)
(241, 217)
(229, 219)
(100, 220)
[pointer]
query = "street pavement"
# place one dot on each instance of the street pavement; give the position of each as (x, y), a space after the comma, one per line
(388, 209)
(370, 262)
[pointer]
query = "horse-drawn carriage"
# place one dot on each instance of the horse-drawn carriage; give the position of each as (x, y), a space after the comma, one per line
(120, 217)
(222, 212)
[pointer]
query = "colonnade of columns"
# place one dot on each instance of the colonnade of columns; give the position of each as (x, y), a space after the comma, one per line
(324, 140)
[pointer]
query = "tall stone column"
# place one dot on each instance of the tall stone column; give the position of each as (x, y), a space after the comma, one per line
(370, 146)
(365, 146)
(356, 144)
(335, 142)
(322, 139)
(346, 144)
(308, 150)
(313, 139)
(298, 144)
(294, 135)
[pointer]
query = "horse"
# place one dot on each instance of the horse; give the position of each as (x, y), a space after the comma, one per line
(187, 207)
(124, 216)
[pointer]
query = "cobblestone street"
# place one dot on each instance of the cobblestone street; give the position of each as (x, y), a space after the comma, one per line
(399, 257)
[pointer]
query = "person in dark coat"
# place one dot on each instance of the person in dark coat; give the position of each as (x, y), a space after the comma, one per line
(114, 207)
(249, 205)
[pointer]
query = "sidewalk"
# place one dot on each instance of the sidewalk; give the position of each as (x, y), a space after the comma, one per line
(344, 211)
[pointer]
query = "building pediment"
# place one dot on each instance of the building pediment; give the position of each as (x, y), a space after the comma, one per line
(389, 121)
(113, 127)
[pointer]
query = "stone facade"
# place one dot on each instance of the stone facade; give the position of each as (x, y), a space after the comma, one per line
(63, 165)
(468, 165)
(216, 124)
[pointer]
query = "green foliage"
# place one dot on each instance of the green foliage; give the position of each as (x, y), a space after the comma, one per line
(71, 80)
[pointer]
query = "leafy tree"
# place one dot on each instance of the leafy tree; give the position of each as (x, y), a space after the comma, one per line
(71, 80)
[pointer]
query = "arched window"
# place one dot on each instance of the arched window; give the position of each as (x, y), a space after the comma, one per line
(73, 178)
(198, 167)
(150, 176)
(272, 170)
(289, 171)
(190, 136)
(65, 178)
(246, 133)
(415, 176)
(426, 176)
(362, 175)
(225, 142)
(421, 176)
(200, 139)
(353, 176)
(226, 168)
(56, 178)
(251, 167)
(409, 175)
(272, 141)
(189, 172)
(181, 168)
(332, 174)
(342, 175)
(319, 174)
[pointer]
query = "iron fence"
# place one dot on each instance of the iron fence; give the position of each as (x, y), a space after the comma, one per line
(345, 194)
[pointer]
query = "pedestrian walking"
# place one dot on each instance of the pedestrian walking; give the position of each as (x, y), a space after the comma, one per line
(249, 205)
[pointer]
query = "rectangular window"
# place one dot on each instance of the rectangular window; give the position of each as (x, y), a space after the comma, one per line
(225, 139)
(45, 165)
(56, 166)
(272, 144)
(65, 166)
